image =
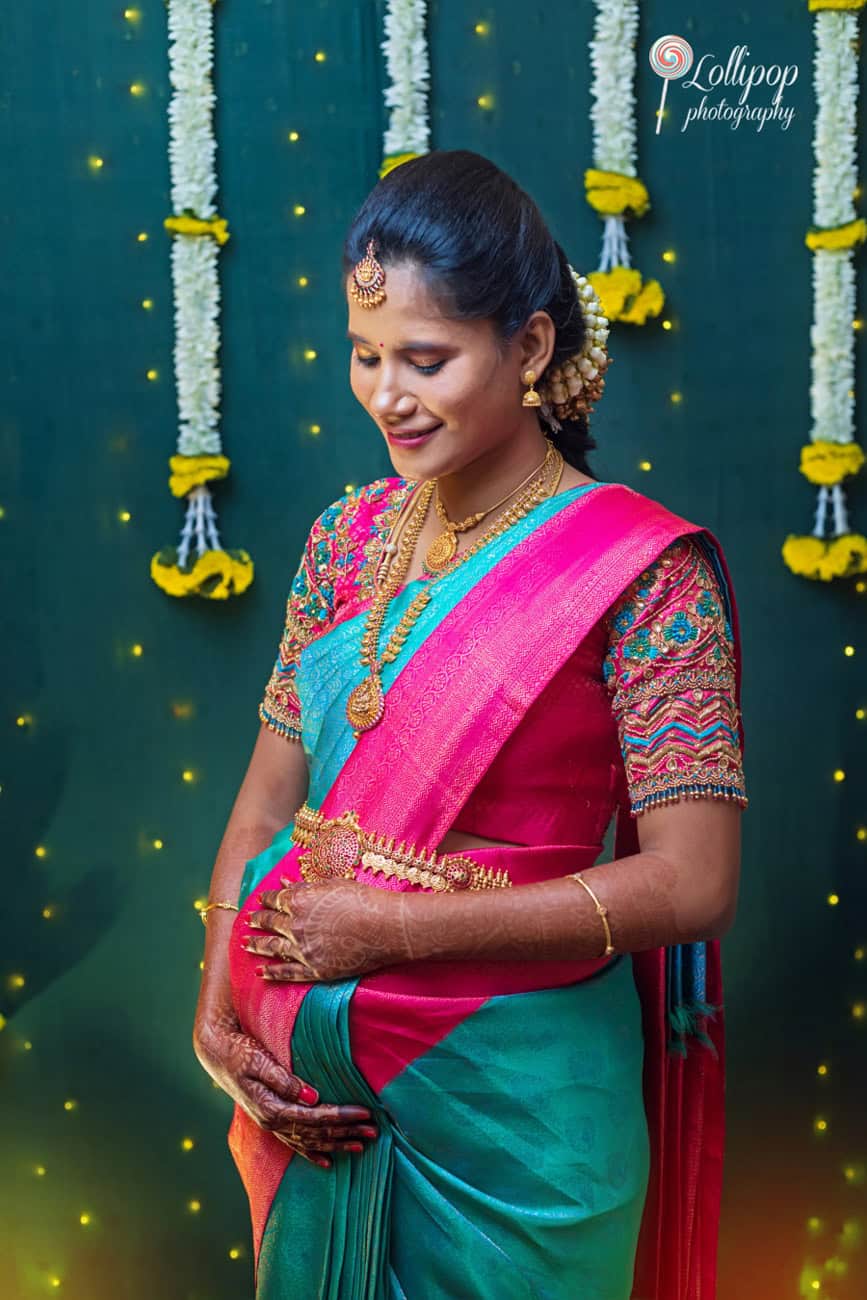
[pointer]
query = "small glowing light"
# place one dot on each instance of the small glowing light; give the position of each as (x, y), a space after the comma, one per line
(820, 1125)
(41, 851)
(16, 981)
(316, 428)
(299, 209)
(854, 1173)
(861, 714)
(27, 1044)
(833, 899)
(187, 1144)
(856, 193)
(55, 1281)
(199, 903)
(182, 709)
(839, 774)
(666, 324)
(40, 1171)
(645, 465)
(848, 650)
(858, 954)
(137, 89)
(70, 1104)
(320, 56)
(861, 833)
(2, 512)
(202, 964)
(136, 650)
(669, 255)
(861, 586)
(48, 911)
(348, 487)
(293, 136)
(235, 1252)
(3, 1021)
(188, 775)
(194, 1206)
(676, 398)
(303, 281)
(822, 1070)
(147, 303)
(309, 354)
(84, 1219)
(152, 374)
(814, 1224)
(482, 29)
(857, 323)
(95, 163)
(142, 236)
(132, 15)
(158, 844)
(24, 719)
(485, 101)
(858, 1010)
(124, 516)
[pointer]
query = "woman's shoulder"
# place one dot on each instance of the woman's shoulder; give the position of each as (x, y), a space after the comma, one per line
(346, 537)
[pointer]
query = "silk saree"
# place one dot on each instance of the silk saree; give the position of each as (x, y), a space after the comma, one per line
(547, 1129)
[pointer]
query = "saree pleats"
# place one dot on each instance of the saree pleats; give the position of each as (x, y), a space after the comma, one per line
(513, 1158)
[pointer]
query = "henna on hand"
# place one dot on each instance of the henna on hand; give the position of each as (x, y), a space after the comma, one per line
(331, 930)
(276, 1099)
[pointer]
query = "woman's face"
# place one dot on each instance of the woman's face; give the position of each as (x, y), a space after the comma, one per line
(414, 370)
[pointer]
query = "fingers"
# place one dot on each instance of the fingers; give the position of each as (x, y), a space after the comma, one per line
(291, 972)
(274, 945)
(281, 1081)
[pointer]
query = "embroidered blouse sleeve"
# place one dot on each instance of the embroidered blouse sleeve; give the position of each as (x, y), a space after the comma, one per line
(670, 672)
(308, 611)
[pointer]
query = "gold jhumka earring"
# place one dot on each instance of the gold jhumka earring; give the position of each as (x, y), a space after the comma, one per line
(531, 397)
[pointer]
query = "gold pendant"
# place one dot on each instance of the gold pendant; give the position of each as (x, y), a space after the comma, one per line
(366, 703)
(441, 550)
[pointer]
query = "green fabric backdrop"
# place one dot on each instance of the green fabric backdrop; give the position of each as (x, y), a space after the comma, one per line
(95, 776)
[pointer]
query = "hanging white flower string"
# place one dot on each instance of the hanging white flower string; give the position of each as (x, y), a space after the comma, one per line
(832, 452)
(407, 65)
(198, 565)
(612, 186)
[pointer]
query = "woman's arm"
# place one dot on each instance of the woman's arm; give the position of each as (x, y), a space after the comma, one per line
(273, 789)
(681, 888)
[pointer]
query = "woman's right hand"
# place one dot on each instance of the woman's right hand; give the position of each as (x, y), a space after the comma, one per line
(275, 1099)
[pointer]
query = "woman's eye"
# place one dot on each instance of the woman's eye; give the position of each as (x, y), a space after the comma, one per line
(424, 370)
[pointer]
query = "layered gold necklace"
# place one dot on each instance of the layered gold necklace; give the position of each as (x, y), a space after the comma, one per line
(366, 703)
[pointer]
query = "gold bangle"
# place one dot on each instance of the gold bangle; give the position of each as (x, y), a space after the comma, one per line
(203, 911)
(603, 911)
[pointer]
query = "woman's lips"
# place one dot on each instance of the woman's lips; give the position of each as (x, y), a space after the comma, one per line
(406, 440)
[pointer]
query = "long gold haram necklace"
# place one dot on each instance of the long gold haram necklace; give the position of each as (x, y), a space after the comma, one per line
(366, 704)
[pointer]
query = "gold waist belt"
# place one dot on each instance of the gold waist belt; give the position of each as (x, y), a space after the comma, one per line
(337, 846)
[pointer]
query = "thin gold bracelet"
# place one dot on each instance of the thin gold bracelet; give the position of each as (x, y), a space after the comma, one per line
(603, 911)
(203, 911)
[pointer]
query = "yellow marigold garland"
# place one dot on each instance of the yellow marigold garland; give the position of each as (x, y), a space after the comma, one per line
(835, 4)
(189, 471)
(188, 224)
(612, 194)
(624, 297)
(826, 463)
(394, 160)
(837, 237)
(813, 557)
(216, 574)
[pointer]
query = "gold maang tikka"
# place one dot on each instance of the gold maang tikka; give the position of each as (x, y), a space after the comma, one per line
(368, 277)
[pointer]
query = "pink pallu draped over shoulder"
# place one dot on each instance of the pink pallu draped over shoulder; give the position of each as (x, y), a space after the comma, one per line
(448, 712)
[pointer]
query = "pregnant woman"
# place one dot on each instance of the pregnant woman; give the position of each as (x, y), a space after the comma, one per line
(468, 1059)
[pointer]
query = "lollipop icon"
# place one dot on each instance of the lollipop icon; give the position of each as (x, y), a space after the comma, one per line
(670, 57)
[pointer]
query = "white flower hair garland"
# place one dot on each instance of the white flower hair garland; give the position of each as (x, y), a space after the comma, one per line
(198, 565)
(832, 452)
(407, 63)
(612, 186)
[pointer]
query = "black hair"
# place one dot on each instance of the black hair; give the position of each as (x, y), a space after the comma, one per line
(484, 251)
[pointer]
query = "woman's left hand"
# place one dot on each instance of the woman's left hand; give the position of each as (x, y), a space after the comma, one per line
(331, 930)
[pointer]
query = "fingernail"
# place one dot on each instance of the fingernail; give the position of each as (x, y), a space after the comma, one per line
(354, 1146)
(323, 1163)
(370, 1132)
(308, 1095)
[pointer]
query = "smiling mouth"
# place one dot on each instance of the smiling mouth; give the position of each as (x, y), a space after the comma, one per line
(412, 433)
